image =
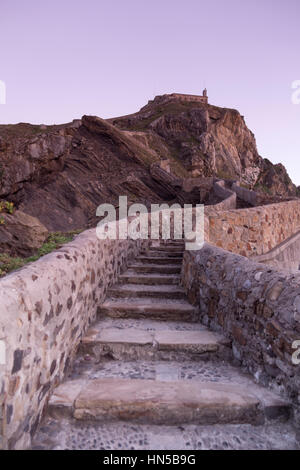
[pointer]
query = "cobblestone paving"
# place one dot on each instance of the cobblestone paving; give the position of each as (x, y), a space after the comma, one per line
(64, 434)
(68, 433)
(201, 371)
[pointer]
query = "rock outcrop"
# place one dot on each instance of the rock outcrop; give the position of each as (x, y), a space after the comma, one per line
(274, 179)
(21, 234)
(209, 141)
(60, 174)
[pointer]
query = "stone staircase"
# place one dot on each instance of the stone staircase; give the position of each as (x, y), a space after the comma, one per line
(150, 376)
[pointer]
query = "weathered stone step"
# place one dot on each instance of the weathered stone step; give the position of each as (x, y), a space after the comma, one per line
(211, 369)
(132, 344)
(150, 308)
(149, 279)
(168, 248)
(159, 260)
(147, 325)
(160, 253)
(55, 435)
(156, 402)
(143, 290)
(170, 241)
(155, 268)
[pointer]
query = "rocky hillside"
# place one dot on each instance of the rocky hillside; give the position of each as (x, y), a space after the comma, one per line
(209, 141)
(60, 174)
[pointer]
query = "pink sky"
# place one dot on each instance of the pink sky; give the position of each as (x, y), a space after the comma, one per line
(62, 59)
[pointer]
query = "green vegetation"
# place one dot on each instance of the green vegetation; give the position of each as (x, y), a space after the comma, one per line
(8, 207)
(22, 130)
(53, 242)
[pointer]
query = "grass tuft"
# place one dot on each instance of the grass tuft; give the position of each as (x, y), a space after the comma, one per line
(54, 241)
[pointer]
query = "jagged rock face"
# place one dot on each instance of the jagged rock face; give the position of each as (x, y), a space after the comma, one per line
(21, 234)
(221, 145)
(28, 153)
(274, 179)
(60, 174)
(209, 141)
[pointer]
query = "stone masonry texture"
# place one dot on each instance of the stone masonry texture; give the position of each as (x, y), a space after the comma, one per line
(45, 308)
(253, 231)
(255, 306)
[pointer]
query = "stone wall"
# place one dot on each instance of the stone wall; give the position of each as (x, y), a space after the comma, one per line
(188, 98)
(206, 183)
(284, 256)
(254, 231)
(228, 197)
(202, 184)
(251, 197)
(45, 308)
(255, 306)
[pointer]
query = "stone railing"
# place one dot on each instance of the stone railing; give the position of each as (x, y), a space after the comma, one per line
(251, 197)
(189, 184)
(45, 308)
(228, 197)
(255, 306)
(184, 97)
(285, 256)
(254, 231)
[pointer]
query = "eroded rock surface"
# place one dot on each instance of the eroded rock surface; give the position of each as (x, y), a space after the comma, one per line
(21, 234)
(209, 140)
(60, 174)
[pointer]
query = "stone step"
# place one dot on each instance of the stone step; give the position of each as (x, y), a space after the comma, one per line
(147, 325)
(211, 369)
(168, 248)
(136, 344)
(171, 242)
(149, 279)
(155, 268)
(159, 260)
(120, 435)
(151, 309)
(158, 402)
(144, 290)
(163, 253)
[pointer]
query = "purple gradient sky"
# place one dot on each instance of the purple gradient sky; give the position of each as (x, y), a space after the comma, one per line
(61, 59)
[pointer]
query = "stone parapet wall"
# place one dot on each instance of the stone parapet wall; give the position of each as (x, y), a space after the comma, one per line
(255, 306)
(189, 98)
(45, 308)
(188, 184)
(284, 256)
(228, 197)
(251, 197)
(254, 231)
